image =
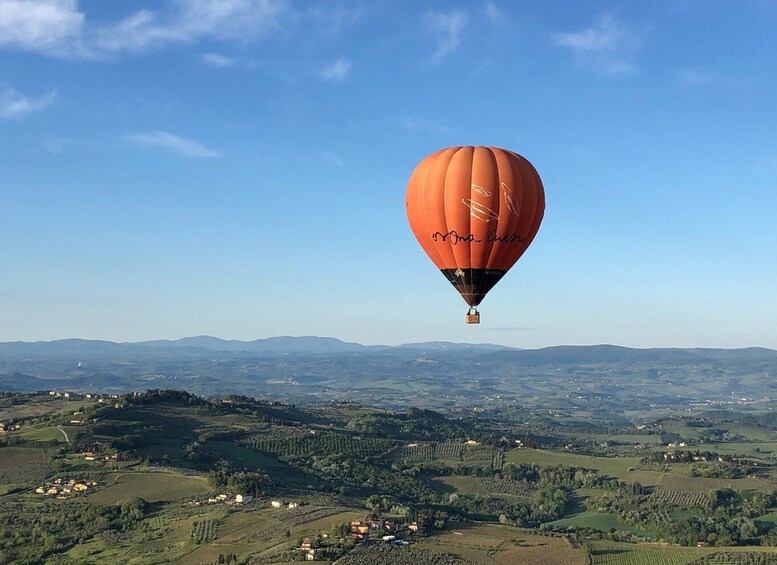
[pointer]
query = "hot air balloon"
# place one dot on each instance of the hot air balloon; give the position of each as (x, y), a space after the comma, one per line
(474, 210)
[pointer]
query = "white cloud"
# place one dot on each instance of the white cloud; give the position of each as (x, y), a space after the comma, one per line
(53, 27)
(493, 13)
(192, 20)
(607, 47)
(337, 70)
(58, 28)
(216, 60)
(166, 140)
(14, 104)
(447, 29)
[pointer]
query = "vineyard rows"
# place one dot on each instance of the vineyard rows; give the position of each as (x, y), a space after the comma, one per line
(20, 465)
(420, 453)
(612, 553)
(320, 444)
(305, 514)
(681, 498)
(451, 451)
(737, 558)
(480, 456)
(158, 522)
(493, 485)
(204, 531)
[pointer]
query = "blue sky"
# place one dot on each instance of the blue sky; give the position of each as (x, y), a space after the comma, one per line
(237, 168)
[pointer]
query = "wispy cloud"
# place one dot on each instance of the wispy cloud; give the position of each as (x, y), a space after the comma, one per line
(447, 27)
(53, 27)
(190, 21)
(216, 60)
(329, 19)
(493, 13)
(169, 141)
(607, 47)
(694, 77)
(15, 105)
(337, 70)
(59, 28)
(330, 157)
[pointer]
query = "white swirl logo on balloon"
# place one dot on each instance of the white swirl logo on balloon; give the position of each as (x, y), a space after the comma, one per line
(483, 212)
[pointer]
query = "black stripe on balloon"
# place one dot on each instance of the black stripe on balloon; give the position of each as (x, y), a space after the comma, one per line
(473, 284)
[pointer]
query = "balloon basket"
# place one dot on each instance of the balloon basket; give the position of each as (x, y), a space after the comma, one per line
(473, 316)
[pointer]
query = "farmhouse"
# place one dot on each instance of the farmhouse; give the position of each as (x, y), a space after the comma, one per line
(293, 505)
(276, 503)
(243, 498)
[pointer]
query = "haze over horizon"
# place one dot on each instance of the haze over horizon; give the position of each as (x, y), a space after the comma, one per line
(238, 169)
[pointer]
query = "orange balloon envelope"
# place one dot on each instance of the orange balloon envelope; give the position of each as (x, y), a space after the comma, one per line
(474, 210)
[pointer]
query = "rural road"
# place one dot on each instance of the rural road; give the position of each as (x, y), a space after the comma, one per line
(64, 433)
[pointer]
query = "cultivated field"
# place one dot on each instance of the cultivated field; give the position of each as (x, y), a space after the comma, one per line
(613, 553)
(503, 545)
(153, 487)
(51, 433)
(667, 481)
(609, 466)
(22, 466)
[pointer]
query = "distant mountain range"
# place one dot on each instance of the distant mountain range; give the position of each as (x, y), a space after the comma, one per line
(298, 369)
(313, 345)
(273, 345)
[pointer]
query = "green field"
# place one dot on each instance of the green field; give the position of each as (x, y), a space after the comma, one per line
(628, 439)
(43, 434)
(152, 487)
(669, 481)
(765, 449)
(608, 466)
(771, 517)
(502, 545)
(599, 521)
(41, 405)
(249, 457)
(463, 485)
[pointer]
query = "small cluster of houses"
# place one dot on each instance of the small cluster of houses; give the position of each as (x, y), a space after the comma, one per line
(65, 488)
(281, 504)
(689, 456)
(92, 456)
(88, 396)
(311, 553)
(390, 528)
(227, 499)
(386, 530)
(9, 427)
